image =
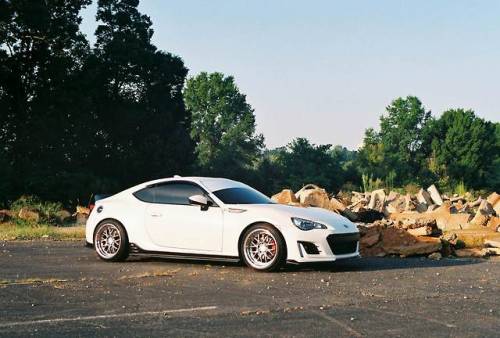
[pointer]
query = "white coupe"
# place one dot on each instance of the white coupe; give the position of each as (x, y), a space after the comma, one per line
(216, 219)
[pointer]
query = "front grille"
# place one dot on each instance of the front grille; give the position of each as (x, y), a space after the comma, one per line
(343, 244)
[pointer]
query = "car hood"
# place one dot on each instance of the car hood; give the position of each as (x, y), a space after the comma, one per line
(326, 217)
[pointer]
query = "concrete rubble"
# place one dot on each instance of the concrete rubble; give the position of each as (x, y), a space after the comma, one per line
(427, 223)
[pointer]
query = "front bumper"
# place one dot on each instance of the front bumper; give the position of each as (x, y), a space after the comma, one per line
(322, 246)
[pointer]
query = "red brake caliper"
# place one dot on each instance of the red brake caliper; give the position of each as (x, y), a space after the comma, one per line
(273, 246)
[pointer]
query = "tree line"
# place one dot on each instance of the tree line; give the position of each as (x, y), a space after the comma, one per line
(79, 119)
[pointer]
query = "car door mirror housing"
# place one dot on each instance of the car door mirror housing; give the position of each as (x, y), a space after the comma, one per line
(200, 200)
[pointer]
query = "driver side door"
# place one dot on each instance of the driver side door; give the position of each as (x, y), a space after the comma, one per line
(173, 223)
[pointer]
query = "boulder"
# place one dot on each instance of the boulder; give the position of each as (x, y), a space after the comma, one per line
(457, 198)
(493, 242)
(29, 215)
(370, 244)
(409, 203)
(5, 215)
(494, 200)
(432, 207)
(356, 196)
(63, 216)
(82, 214)
(336, 205)
(473, 238)
(395, 203)
(359, 205)
(475, 203)
(471, 252)
(492, 251)
(286, 196)
(452, 221)
(435, 195)
(399, 242)
(377, 200)
(421, 231)
(421, 207)
(494, 223)
(82, 210)
(418, 222)
(483, 213)
(423, 197)
(370, 239)
(374, 251)
(446, 221)
(314, 196)
(81, 219)
(435, 256)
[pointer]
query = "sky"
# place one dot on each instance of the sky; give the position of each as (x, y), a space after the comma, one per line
(326, 70)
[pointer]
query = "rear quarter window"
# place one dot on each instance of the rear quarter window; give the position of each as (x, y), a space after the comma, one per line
(145, 195)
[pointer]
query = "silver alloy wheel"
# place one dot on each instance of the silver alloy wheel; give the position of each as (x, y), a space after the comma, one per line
(108, 240)
(260, 248)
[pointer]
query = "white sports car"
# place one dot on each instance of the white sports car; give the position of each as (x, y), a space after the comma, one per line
(216, 219)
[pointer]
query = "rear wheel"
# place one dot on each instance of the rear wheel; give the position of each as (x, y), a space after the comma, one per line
(263, 248)
(111, 241)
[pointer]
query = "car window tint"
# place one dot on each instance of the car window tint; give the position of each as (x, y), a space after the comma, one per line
(176, 193)
(242, 196)
(146, 195)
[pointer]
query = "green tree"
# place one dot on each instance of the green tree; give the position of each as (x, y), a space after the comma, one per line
(465, 148)
(347, 160)
(41, 57)
(302, 162)
(142, 129)
(402, 147)
(370, 160)
(77, 120)
(222, 125)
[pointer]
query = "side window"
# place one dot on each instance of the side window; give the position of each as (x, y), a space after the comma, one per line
(146, 194)
(176, 193)
(170, 193)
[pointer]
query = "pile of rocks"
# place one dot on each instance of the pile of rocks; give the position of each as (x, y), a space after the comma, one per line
(426, 223)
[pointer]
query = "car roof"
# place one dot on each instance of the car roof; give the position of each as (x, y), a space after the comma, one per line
(210, 183)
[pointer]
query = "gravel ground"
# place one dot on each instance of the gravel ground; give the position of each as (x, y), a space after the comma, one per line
(62, 289)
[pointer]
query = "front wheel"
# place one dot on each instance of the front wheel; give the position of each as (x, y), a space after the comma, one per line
(263, 248)
(111, 241)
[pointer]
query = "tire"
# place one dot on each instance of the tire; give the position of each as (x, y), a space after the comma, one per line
(111, 241)
(263, 248)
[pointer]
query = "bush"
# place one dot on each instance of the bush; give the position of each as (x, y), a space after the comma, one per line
(370, 184)
(460, 188)
(412, 188)
(349, 186)
(48, 210)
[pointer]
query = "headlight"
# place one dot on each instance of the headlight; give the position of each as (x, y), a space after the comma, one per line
(304, 224)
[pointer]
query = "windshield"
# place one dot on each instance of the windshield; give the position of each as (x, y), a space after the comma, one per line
(242, 196)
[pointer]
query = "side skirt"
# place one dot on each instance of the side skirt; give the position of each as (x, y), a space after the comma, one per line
(137, 251)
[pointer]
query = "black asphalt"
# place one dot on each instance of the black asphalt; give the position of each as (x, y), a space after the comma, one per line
(61, 289)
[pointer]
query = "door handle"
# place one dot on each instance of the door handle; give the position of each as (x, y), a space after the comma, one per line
(155, 214)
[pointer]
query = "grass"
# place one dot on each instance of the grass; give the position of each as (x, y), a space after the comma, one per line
(30, 281)
(23, 231)
(156, 273)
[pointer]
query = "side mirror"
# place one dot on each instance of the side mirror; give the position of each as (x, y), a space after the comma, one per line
(200, 200)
